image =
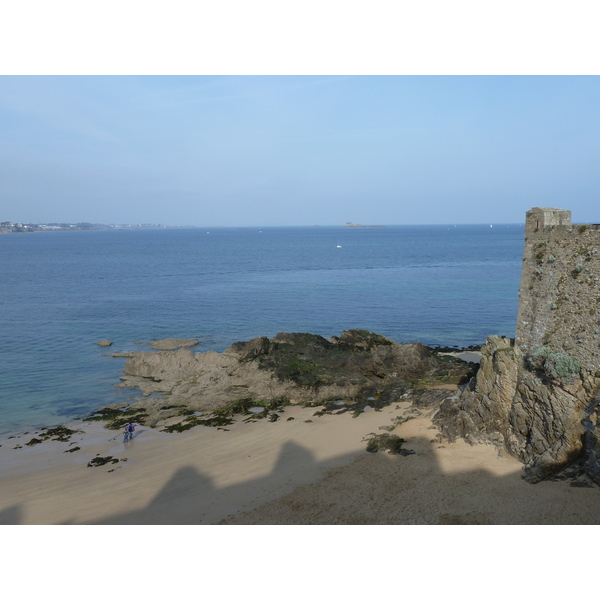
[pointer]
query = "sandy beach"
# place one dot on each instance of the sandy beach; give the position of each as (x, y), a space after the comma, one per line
(300, 469)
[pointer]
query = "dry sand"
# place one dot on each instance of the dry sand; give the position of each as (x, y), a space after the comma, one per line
(284, 472)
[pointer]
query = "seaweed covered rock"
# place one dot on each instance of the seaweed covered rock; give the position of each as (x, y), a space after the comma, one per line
(302, 367)
(387, 441)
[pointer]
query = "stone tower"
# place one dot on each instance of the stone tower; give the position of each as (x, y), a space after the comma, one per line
(539, 398)
(559, 297)
(538, 218)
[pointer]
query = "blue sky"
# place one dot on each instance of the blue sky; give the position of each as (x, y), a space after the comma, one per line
(297, 150)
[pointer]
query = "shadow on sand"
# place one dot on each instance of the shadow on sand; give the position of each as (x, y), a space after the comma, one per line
(361, 488)
(191, 498)
(11, 516)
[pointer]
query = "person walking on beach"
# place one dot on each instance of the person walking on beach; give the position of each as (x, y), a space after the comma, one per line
(128, 434)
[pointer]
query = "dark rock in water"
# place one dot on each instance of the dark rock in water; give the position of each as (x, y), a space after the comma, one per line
(445, 348)
(472, 348)
(455, 349)
(105, 343)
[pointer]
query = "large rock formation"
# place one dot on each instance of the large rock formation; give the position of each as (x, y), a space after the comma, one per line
(538, 397)
(299, 367)
(542, 414)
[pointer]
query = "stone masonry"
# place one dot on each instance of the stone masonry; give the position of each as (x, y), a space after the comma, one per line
(538, 397)
(559, 300)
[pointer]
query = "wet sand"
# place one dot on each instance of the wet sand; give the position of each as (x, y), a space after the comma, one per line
(300, 469)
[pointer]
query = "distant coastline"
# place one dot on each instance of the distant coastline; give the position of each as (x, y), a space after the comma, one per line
(10, 227)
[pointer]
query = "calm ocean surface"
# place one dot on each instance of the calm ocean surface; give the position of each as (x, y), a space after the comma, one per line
(61, 292)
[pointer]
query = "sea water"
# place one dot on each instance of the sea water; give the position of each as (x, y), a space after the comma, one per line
(62, 292)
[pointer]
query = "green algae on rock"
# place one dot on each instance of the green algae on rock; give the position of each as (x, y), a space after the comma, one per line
(102, 460)
(223, 417)
(387, 441)
(59, 434)
(303, 367)
(117, 418)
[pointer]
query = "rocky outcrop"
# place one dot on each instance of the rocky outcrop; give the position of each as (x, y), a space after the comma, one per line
(539, 407)
(481, 413)
(299, 367)
(104, 343)
(173, 344)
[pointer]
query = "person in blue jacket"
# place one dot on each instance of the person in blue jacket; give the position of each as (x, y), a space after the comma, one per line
(128, 434)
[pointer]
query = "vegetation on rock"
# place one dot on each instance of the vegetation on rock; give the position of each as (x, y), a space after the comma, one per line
(557, 366)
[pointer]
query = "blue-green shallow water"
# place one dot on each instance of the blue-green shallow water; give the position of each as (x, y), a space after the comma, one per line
(61, 292)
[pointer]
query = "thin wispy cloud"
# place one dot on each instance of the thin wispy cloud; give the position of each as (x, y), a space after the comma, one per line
(42, 101)
(384, 150)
